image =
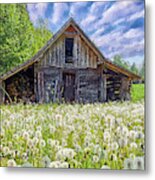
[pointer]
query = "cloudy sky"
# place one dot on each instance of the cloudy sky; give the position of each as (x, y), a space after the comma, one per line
(116, 27)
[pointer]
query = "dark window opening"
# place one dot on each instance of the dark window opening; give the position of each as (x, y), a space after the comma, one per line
(69, 49)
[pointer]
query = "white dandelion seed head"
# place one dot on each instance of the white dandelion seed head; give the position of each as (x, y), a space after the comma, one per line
(42, 143)
(128, 163)
(6, 150)
(139, 163)
(46, 161)
(64, 165)
(133, 145)
(39, 128)
(30, 143)
(114, 146)
(11, 163)
(25, 135)
(55, 164)
(95, 159)
(35, 141)
(38, 134)
(106, 136)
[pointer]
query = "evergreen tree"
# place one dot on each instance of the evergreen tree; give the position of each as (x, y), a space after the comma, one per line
(120, 62)
(142, 71)
(134, 69)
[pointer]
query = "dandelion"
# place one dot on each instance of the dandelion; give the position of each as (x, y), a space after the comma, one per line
(30, 143)
(139, 163)
(123, 142)
(128, 164)
(106, 136)
(35, 141)
(42, 143)
(64, 165)
(133, 145)
(55, 164)
(38, 134)
(46, 161)
(25, 135)
(114, 146)
(95, 159)
(52, 129)
(39, 128)
(6, 150)
(11, 163)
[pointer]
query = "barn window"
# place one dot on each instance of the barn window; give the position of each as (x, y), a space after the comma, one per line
(69, 49)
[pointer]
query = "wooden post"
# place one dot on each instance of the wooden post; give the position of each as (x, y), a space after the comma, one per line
(2, 92)
(125, 89)
(103, 88)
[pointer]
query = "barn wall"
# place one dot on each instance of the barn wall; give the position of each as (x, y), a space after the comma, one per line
(118, 86)
(88, 85)
(47, 84)
(83, 55)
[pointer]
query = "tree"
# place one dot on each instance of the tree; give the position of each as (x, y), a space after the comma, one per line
(142, 70)
(120, 62)
(134, 69)
(19, 40)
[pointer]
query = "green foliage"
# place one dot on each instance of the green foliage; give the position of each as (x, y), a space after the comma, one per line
(120, 62)
(133, 68)
(19, 39)
(137, 92)
(142, 70)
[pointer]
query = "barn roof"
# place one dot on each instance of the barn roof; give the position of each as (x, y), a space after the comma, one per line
(37, 57)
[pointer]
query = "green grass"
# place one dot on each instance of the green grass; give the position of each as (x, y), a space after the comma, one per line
(137, 92)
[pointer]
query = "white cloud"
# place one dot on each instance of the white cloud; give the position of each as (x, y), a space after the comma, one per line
(37, 10)
(134, 33)
(58, 12)
(88, 20)
(97, 33)
(96, 6)
(117, 10)
(75, 8)
(136, 16)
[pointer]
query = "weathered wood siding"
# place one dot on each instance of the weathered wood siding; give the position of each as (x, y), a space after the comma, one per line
(83, 55)
(88, 81)
(49, 71)
(118, 86)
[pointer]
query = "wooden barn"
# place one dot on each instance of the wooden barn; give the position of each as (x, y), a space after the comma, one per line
(69, 68)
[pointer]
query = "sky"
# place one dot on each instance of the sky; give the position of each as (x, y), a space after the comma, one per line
(116, 27)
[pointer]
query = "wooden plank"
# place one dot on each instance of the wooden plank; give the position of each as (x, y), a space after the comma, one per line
(79, 54)
(87, 56)
(2, 92)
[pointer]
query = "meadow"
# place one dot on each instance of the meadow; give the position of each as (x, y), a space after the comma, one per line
(102, 136)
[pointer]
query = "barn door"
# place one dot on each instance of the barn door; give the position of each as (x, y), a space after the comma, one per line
(69, 87)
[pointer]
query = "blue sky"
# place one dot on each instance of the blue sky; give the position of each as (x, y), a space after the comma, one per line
(116, 27)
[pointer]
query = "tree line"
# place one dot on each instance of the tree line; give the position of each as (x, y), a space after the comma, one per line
(118, 60)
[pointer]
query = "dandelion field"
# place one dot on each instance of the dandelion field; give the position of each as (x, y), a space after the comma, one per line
(102, 136)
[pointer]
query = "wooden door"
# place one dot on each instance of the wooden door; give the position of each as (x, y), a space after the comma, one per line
(69, 87)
